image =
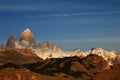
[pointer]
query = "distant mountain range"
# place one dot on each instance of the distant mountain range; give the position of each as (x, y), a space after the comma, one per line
(49, 61)
(46, 50)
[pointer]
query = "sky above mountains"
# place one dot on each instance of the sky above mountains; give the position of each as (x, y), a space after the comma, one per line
(70, 23)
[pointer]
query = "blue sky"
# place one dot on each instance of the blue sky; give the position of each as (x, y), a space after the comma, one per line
(72, 24)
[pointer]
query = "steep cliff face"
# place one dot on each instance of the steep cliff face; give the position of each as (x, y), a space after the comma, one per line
(10, 42)
(27, 35)
(27, 38)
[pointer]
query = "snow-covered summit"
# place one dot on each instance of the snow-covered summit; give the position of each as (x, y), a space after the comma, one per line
(109, 56)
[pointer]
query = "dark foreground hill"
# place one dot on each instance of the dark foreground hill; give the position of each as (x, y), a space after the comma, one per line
(18, 56)
(111, 74)
(92, 67)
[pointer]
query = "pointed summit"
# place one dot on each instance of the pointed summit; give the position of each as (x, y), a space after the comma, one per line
(27, 30)
(27, 35)
(26, 39)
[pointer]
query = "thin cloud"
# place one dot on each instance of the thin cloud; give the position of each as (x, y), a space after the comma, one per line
(78, 14)
(20, 8)
(84, 40)
(86, 44)
(86, 13)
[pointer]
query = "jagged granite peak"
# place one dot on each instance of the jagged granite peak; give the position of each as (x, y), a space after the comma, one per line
(47, 50)
(2, 46)
(56, 48)
(26, 39)
(45, 45)
(27, 35)
(10, 42)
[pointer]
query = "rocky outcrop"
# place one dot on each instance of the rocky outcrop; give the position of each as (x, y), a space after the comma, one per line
(2, 47)
(19, 74)
(95, 63)
(10, 42)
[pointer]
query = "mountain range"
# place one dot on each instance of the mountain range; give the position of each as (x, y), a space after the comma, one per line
(46, 50)
(49, 61)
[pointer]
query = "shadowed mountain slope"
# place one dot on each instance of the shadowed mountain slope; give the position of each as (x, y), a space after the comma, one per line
(18, 56)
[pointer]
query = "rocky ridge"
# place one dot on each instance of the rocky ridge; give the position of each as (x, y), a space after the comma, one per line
(67, 68)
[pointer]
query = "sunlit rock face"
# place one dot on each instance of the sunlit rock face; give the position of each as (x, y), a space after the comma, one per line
(26, 40)
(46, 50)
(27, 35)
